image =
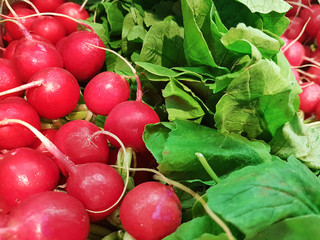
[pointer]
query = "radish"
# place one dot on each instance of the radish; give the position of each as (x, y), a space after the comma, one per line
(294, 52)
(47, 5)
(309, 97)
(313, 26)
(8, 52)
(128, 119)
(57, 95)
(97, 185)
(19, 4)
(73, 10)
(26, 172)
(39, 146)
(47, 215)
(13, 29)
(81, 59)
(75, 140)
(8, 77)
(295, 28)
(297, 6)
(49, 27)
(32, 55)
(150, 211)
(313, 74)
(14, 136)
(105, 91)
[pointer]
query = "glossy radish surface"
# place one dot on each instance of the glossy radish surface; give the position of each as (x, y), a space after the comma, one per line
(13, 29)
(150, 211)
(8, 77)
(73, 10)
(81, 59)
(105, 91)
(309, 97)
(26, 172)
(127, 121)
(48, 215)
(32, 55)
(75, 140)
(58, 94)
(294, 53)
(13, 135)
(48, 5)
(98, 186)
(39, 146)
(49, 27)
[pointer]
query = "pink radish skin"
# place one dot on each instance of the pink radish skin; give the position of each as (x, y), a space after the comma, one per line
(12, 135)
(8, 53)
(296, 8)
(48, 5)
(313, 26)
(81, 59)
(295, 53)
(295, 28)
(309, 97)
(75, 140)
(57, 95)
(150, 211)
(8, 78)
(98, 186)
(49, 27)
(32, 55)
(13, 29)
(82, 175)
(47, 215)
(127, 121)
(73, 10)
(19, 4)
(26, 172)
(105, 91)
(314, 74)
(38, 145)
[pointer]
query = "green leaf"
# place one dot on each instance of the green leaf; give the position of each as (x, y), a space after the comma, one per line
(195, 229)
(298, 139)
(266, 6)
(297, 228)
(255, 197)
(240, 38)
(174, 145)
(257, 100)
(163, 45)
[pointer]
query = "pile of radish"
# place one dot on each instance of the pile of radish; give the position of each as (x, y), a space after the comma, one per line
(56, 177)
(302, 39)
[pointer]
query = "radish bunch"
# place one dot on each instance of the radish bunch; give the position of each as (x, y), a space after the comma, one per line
(302, 41)
(48, 71)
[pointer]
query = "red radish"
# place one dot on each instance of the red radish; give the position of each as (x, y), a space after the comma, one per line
(57, 95)
(81, 59)
(294, 52)
(309, 97)
(313, 74)
(14, 136)
(75, 140)
(313, 26)
(32, 55)
(20, 4)
(98, 186)
(84, 178)
(297, 6)
(150, 211)
(8, 77)
(4, 209)
(13, 29)
(47, 5)
(127, 120)
(8, 52)
(38, 145)
(49, 27)
(25, 172)
(306, 12)
(73, 10)
(47, 215)
(295, 28)
(105, 91)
